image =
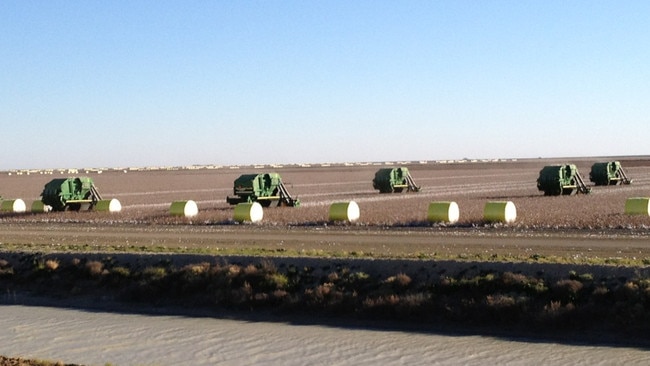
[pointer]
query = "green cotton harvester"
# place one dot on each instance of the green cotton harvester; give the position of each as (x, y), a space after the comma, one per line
(63, 194)
(389, 180)
(264, 188)
(608, 174)
(557, 180)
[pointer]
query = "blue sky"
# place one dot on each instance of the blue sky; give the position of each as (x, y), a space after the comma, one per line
(141, 83)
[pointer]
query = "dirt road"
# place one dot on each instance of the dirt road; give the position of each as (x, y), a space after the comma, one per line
(399, 242)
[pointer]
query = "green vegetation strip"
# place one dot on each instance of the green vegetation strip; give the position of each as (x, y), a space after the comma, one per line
(263, 252)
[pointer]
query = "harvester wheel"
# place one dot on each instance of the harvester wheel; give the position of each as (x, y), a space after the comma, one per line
(398, 190)
(569, 191)
(73, 207)
(553, 192)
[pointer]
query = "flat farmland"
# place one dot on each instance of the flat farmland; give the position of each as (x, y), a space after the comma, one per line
(390, 224)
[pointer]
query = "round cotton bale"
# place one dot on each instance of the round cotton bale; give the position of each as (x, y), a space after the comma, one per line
(112, 205)
(500, 211)
(251, 212)
(15, 206)
(184, 208)
(637, 206)
(344, 211)
(40, 207)
(443, 212)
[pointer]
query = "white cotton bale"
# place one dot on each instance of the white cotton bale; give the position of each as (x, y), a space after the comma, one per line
(112, 205)
(500, 211)
(443, 212)
(637, 206)
(344, 211)
(250, 212)
(40, 207)
(184, 208)
(16, 206)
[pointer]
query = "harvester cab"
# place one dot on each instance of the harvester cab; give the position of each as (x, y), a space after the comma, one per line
(608, 174)
(557, 180)
(389, 180)
(264, 188)
(65, 194)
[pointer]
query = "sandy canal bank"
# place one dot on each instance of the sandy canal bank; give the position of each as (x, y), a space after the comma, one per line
(97, 338)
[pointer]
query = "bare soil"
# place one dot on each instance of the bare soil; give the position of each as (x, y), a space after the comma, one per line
(390, 224)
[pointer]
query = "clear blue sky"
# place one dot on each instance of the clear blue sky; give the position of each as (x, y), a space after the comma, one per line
(138, 83)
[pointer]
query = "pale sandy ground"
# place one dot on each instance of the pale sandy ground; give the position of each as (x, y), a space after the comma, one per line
(98, 338)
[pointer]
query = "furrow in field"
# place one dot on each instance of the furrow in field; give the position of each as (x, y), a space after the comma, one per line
(422, 194)
(154, 193)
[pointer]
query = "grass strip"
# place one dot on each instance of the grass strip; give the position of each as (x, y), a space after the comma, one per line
(281, 252)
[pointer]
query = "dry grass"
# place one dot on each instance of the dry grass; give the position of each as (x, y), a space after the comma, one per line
(18, 361)
(51, 264)
(94, 268)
